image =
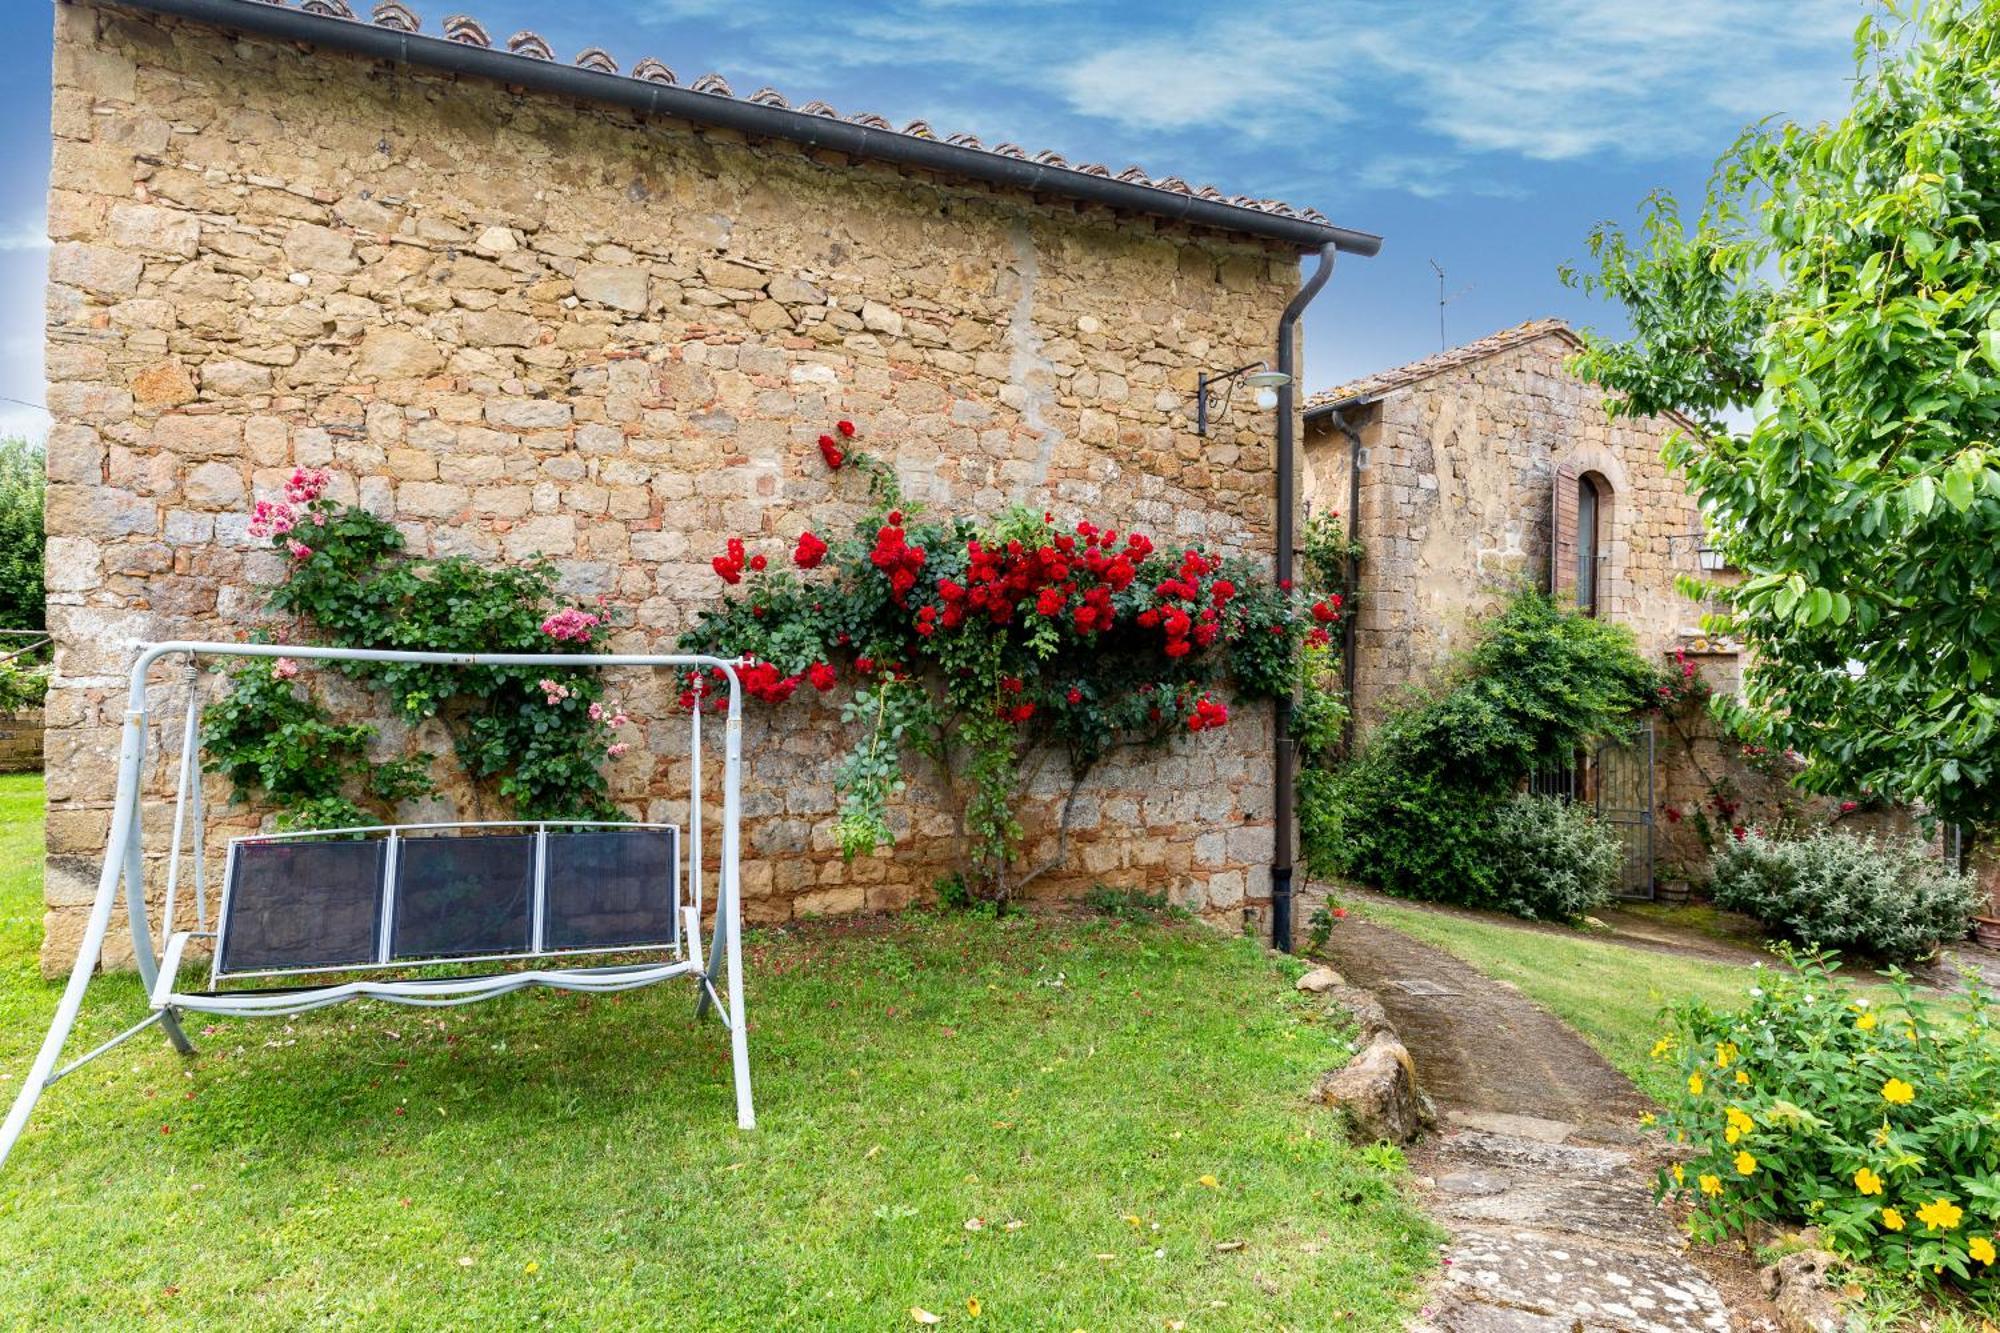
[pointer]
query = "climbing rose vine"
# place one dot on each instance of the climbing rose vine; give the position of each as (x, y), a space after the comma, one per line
(976, 643)
(535, 738)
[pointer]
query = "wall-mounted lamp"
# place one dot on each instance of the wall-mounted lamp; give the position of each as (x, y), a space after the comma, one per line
(1258, 375)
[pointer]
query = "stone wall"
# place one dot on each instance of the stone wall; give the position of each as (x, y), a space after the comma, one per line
(21, 741)
(1457, 474)
(521, 326)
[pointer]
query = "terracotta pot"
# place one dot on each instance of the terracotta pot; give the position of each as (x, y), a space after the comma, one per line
(1986, 931)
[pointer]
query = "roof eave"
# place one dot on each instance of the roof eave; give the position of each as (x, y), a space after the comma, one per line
(756, 118)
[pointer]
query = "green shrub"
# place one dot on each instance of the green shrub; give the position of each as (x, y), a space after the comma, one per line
(1417, 813)
(22, 488)
(1404, 833)
(22, 687)
(1873, 1121)
(1887, 897)
(1555, 859)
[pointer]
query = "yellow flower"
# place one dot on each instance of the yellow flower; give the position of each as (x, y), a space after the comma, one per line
(1680, 1174)
(1695, 1085)
(1940, 1214)
(1647, 1119)
(1746, 1165)
(1208, 1182)
(1731, 1134)
(1724, 1053)
(1867, 1181)
(1711, 1185)
(1981, 1248)
(1743, 1078)
(1898, 1093)
(1662, 1048)
(1865, 1020)
(1892, 1220)
(972, 1306)
(1739, 1120)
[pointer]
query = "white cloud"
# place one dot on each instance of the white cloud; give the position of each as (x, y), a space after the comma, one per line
(23, 236)
(1563, 79)
(1243, 76)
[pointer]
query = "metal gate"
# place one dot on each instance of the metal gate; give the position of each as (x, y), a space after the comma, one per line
(1625, 801)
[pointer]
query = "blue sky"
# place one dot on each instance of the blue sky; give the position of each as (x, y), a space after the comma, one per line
(1488, 135)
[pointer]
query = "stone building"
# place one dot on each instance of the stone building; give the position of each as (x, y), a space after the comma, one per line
(1491, 467)
(524, 307)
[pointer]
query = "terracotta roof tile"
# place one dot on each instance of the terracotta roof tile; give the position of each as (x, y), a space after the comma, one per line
(1371, 387)
(399, 17)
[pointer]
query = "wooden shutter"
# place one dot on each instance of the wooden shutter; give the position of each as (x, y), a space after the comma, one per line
(1562, 532)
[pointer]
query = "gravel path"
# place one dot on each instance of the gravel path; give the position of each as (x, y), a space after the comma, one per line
(1541, 1178)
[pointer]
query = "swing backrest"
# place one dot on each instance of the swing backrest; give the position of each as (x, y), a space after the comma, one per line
(406, 895)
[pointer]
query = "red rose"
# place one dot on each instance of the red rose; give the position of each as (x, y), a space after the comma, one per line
(809, 552)
(757, 562)
(846, 428)
(727, 569)
(821, 675)
(831, 452)
(1075, 695)
(864, 664)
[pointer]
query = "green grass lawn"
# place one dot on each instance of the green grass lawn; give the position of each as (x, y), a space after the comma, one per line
(1611, 993)
(1119, 1106)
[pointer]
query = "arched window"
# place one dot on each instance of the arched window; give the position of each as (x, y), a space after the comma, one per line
(1580, 537)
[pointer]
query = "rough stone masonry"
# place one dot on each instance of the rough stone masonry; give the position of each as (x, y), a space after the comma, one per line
(518, 326)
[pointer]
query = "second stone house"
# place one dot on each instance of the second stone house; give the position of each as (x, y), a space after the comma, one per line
(1491, 467)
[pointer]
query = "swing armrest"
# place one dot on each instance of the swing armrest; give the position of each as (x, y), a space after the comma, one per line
(170, 964)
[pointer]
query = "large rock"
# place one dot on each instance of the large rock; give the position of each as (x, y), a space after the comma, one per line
(1807, 1300)
(1378, 1095)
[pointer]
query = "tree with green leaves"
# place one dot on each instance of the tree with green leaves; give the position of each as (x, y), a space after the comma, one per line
(22, 485)
(1842, 288)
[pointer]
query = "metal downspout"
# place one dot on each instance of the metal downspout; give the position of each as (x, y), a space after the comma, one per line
(1287, 463)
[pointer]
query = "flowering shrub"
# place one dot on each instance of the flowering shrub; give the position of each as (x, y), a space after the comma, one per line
(1873, 1121)
(1682, 687)
(536, 737)
(1555, 860)
(1889, 897)
(982, 640)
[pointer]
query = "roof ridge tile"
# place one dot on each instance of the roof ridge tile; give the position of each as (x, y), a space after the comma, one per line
(1370, 387)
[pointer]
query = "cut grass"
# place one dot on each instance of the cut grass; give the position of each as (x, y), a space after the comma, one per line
(573, 1162)
(1611, 993)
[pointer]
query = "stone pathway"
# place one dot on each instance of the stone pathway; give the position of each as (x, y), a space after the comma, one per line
(1539, 1176)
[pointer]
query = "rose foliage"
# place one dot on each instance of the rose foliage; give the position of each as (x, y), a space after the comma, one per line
(977, 642)
(534, 737)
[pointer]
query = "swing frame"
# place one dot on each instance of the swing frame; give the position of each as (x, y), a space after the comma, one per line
(124, 866)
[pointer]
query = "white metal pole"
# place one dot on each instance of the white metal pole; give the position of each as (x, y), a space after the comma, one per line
(729, 902)
(180, 812)
(124, 812)
(144, 961)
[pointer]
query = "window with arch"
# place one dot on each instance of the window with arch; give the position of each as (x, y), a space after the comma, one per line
(1592, 492)
(1580, 537)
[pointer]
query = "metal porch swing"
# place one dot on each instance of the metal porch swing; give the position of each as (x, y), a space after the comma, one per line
(304, 912)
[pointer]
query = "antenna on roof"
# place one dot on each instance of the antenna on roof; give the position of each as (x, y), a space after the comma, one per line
(1443, 343)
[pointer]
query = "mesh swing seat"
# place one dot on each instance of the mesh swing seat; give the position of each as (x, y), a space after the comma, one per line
(397, 912)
